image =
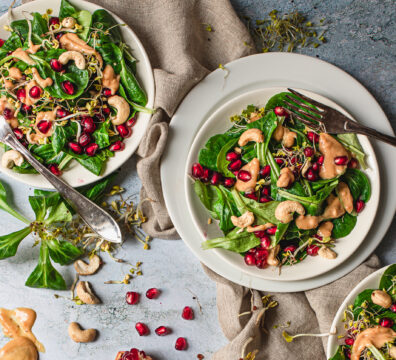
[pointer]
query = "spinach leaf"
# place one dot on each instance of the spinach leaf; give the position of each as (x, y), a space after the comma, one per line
(4, 205)
(63, 252)
(101, 19)
(92, 163)
(135, 106)
(112, 55)
(21, 27)
(39, 27)
(101, 135)
(59, 213)
(339, 355)
(280, 232)
(84, 18)
(358, 183)
(9, 243)
(131, 85)
(66, 9)
(39, 207)
(343, 225)
(12, 43)
(233, 241)
(386, 282)
(95, 192)
(351, 142)
(208, 195)
(46, 152)
(221, 162)
(59, 139)
(45, 275)
(208, 155)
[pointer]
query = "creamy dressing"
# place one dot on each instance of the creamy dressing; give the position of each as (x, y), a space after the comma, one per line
(110, 79)
(8, 84)
(43, 83)
(15, 73)
(28, 99)
(254, 168)
(24, 56)
(4, 104)
(33, 48)
(283, 134)
(345, 196)
(42, 115)
(308, 222)
(259, 227)
(325, 229)
(377, 336)
(20, 348)
(330, 149)
(286, 178)
(334, 208)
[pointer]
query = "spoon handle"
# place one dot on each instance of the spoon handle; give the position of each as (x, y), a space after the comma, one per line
(94, 216)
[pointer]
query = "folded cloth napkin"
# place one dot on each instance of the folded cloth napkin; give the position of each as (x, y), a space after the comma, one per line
(182, 50)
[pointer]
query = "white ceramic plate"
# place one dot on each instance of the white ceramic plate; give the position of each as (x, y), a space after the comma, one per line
(258, 72)
(370, 282)
(219, 122)
(77, 175)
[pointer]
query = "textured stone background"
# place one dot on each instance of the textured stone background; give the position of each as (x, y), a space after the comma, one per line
(361, 36)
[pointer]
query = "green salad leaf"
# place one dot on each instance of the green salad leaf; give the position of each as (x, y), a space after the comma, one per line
(358, 184)
(9, 243)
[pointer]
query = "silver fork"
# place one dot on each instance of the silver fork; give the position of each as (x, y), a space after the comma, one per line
(94, 216)
(326, 119)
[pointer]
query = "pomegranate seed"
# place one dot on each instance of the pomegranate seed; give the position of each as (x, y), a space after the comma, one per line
(353, 163)
(21, 94)
(359, 206)
(308, 151)
(56, 65)
(393, 308)
(244, 175)
(68, 87)
(132, 297)
(235, 165)
(1, 42)
(293, 160)
(347, 353)
(250, 259)
(266, 191)
(106, 92)
(320, 238)
(261, 254)
(313, 137)
(84, 139)
(315, 166)
(88, 124)
(265, 199)
(35, 92)
(8, 114)
(181, 344)
(55, 169)
(153, 293)
(134, 354)
(124, 131)
(280, 111)
(232, 156)
(252, 251)
(188, 313)
(290, 248)
(91, 149)
(43, 126)
(260, 233)
(61, 113)
(312, 250)
(131, 122)
(58, 36)
(320, 160)
(162, 331)
(216, 177)
(107, 111)
(117, 146)
(142, 329)
(279, 161)
(229, 182)
(271, 231)
(206, 175)
(261, 263)
(311, 175)
(386, 322)
(265, 171)
(26, 108)
(197, 170)
(341, 160)
(252, 196)
(265, 242)
(53, 21)
(18, 133)
(75, 147)
(349, 341)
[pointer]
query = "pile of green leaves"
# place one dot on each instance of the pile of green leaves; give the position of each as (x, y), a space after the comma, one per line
(51, 213)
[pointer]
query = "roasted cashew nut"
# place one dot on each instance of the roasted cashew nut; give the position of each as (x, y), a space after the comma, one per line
(81, 336)
(85, 293)
(122, 108)
(285, 210)
(255, 135)
(244, 220)
(381, 298)
(272, 256)
(69, 22)
(75, 56)
(11, 158)
(327, 253)
(84, 269)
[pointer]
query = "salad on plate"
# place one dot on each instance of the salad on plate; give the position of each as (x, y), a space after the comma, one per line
(68, 89)
(278, 190)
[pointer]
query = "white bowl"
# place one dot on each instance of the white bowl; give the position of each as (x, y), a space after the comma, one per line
(76, 175)
(218, 122)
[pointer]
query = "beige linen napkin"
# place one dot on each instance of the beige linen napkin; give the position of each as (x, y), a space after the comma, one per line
(182, 52)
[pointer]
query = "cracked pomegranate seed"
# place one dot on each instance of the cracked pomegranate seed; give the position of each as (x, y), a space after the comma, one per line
(1, 42)
(265, 242)
(235, 165)
(55, 169)
(349, 341)
(393, 308)
(124, 131)
(232, 156)
(279, 161)
(142, 329)
(18, 133)
(133, 354)
(290, 248)
(353, 163)
(75, 147)
(313, 137)
(68, 87)
(308, 151)
(21, 94)
(53, 21)
(181, 344)
(359, 206)
(88, 124)
(61, 113)
(280, 111)
(229, 182)
(265, 171)
(271, 231)
(250, 260)
(188, 313)
(197, 170)
(162, 331)
(265, 199)
(341, 160)
(106, 92)
(35, 92)
(91, 149)
(132, 297)
(244, 175)
(56, 65)
(153, 293)
(216, 178)
(43, 126)
(311, 175)
(312, 250)
(117, 146)
(266, 191)
(84, 139)
(252, 196)
(386, 322)
(131, 122)
(8, 114)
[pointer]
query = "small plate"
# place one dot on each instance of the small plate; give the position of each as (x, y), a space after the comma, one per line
(370, 282)
(76, 175)
(219, 122)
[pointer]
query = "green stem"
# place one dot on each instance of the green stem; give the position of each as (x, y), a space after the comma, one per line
(7, 58)
(10, 210)
(377, 354)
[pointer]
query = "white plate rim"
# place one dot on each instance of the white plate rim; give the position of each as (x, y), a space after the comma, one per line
(77, 175)
(317, 263)
(306, 72)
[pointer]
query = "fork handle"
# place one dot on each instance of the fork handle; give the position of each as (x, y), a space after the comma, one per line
(351, 126)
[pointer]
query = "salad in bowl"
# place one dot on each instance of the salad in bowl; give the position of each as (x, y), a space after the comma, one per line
(278, 190)
(68, 89)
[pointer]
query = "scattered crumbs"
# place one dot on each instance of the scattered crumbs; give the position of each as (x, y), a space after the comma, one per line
(209, 221)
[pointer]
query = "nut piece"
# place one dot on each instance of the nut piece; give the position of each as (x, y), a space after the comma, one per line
(345, 196)
(11, 158)
(85, 269)
(285, 210)
(255, 135)
(286, 178)
(392, 352)
(122, 108)
(272, 253)
(85, 293)
(69, 22)
(381, 298)
(76, 56)
(254, 168)
(308, 222)
(327, 253)
(244, 220)
(259, 227)
(81, 336)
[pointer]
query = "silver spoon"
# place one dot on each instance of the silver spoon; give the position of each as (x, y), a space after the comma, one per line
(94, 216)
